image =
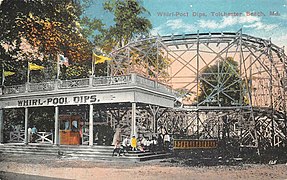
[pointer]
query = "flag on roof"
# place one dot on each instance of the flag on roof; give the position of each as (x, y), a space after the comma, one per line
(8, 73)
(100, 59)
(35, 67)
(63, 60)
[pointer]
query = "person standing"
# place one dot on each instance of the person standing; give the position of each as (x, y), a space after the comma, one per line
(160, 142)
(153, 144)
(117, 135)
(29, 134)
(125, 145)
(162, 131)
(166, 140)
(34, 133)
(134, 143)
(117, 148)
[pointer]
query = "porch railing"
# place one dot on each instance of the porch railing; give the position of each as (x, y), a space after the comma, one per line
(15, 89)
(17, 136)
(41, 137)
(44, 137)
(88, 82)
(85, 139)
(109, 80)
(46, 86)
(74, 83)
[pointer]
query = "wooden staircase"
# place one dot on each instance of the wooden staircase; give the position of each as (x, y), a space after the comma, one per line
(81, 152)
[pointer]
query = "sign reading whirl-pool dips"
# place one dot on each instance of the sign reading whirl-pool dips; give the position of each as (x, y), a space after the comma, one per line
(33, 101)
(58, 101)
(75, 98)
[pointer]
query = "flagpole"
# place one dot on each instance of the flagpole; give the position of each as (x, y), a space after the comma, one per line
(108, 68)
(93, 64)
(3, 75)
(58, 67)
(28, 73)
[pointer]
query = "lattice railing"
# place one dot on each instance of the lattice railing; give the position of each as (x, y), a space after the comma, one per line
(44, 137)
(17, 136)
(46, 86)
(74, 83)
(14, 89)
(113, 80)
(85, 139)
(144, 81)
(92, 82)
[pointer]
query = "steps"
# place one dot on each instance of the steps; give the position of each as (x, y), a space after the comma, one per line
(82, 152)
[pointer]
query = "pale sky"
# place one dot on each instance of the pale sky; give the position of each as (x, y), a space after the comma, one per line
(256, 18)
(268, 18)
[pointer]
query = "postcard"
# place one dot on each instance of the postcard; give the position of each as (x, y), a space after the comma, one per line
(143, 89)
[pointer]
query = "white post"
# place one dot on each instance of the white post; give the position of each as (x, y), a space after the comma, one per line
(58, 67)
(133, 123)
(3, 75)
(28, 78)
(56, 139)
(91, 125)
(28, 73)
(93, 65)
(26, 125)
(1, 126)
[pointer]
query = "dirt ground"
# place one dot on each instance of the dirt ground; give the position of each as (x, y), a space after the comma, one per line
(49, 167)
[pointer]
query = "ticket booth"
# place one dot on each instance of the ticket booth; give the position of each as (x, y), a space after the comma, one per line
(70, 130)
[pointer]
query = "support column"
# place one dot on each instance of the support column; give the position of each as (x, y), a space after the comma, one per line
(154, 129)
(154, 111)
(91, 125)
(26, 125)
(197, 124)
(133, 123)
(56, 138)
(1, 126)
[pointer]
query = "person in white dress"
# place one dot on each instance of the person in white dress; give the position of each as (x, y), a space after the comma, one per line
(117, 135)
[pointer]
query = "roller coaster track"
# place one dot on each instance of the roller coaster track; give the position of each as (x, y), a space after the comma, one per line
(259, 122)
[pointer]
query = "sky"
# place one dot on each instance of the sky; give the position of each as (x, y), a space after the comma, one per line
(261, 18)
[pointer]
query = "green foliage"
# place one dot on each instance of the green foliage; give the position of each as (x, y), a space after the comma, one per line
(37, 31)
(32, 20)
(221, 84)
(50, 27)
(129, 22)
(75, 71)
(20, 69)
(88, 27)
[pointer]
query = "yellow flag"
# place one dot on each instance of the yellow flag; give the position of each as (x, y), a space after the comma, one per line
(31, 15)
(35, 67)
(8, 73)
(100, 59)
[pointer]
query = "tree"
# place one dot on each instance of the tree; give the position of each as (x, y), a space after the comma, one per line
(45, 28)
(50, 27)
(129, 23)
(221, 84)
(39, 22)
